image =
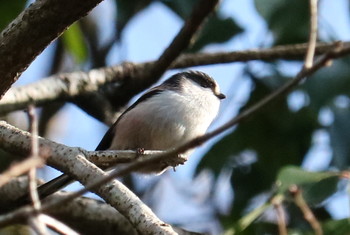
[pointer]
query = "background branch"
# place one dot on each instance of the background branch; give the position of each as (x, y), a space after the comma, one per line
(84, 214)
(64, 87)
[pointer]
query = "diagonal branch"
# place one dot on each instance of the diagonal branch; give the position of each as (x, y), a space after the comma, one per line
(312, 34)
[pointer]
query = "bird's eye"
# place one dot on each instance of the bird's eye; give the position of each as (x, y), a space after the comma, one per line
(210, 84)
(205, 85)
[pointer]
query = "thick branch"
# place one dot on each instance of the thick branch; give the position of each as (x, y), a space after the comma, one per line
(61, 87)
(73, 161)
(90, 216)
(32, 31)
(64, 87)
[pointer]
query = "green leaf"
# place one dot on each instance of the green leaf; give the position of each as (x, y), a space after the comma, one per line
(252, 216)
(9, 10)
(73, 41)
(315, 186)
(288, 20)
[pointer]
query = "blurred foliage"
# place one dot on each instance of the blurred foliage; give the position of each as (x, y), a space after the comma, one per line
(16, 229)
(340, 137)
(73, 40)
(315, 186)
(328, 83)
(217, 30)
(287, 20)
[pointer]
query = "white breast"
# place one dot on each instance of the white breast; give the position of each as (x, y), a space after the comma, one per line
(167, 120)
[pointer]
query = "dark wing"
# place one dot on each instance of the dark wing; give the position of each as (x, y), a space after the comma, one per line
(108, 137)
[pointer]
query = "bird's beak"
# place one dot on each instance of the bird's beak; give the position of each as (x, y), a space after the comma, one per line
(220, 96)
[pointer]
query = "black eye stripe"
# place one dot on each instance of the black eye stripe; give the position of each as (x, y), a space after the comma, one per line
(200, 78)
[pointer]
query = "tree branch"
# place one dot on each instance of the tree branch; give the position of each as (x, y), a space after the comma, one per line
(83, 214)
(73, 162)
(89, 215)
(309, 58)
(64, 87)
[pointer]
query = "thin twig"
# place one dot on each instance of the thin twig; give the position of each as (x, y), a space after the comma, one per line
(37, 225)
(56, 225)
(35, 155)
(309, 58)
(308, 214)
(281, 216)
(34, 220)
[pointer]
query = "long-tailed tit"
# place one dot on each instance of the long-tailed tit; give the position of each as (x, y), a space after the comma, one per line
(166, 116)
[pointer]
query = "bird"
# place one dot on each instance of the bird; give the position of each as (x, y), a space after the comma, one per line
(166, 116)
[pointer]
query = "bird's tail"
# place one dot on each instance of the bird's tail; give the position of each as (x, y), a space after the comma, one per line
(54, 185)
(48, 188)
